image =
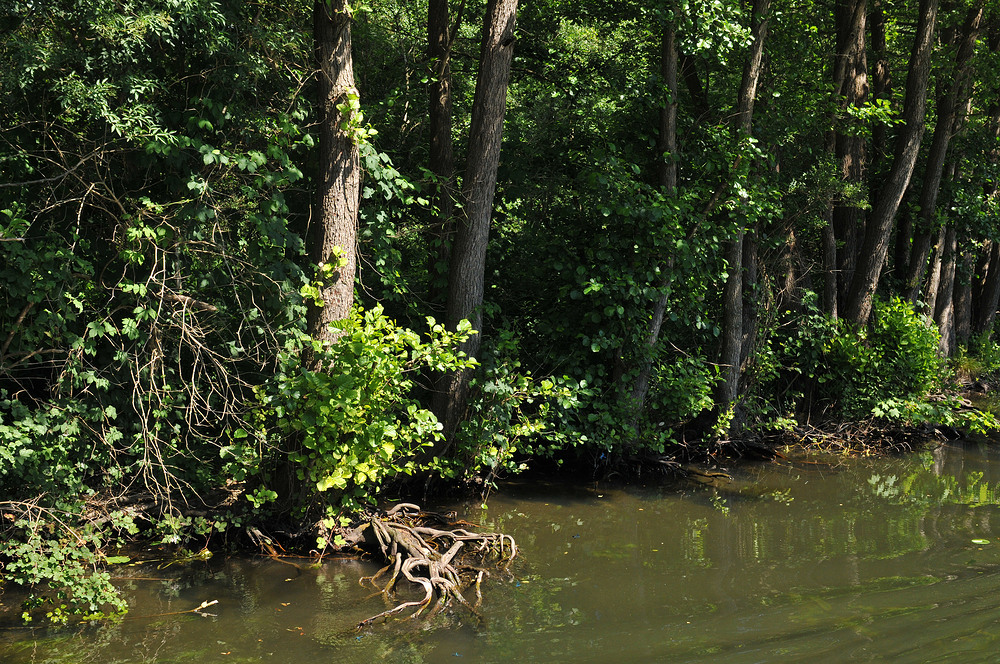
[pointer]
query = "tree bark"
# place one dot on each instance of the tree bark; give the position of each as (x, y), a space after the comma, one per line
(879, 227)
(468, 255)
(333, 235)
(732, 297)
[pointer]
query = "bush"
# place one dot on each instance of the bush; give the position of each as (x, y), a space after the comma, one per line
(355, 421)
(895, 359)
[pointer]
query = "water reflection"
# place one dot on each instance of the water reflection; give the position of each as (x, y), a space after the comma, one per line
(820, 559)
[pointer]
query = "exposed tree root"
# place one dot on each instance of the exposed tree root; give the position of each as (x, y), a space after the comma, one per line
(423, 548)
(856, 438)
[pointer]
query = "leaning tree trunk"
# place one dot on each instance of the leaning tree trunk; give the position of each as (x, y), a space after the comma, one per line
(731, 348)
(879, 227)
(666, 148)
(947, 113)
(468, 255)
(333, 235)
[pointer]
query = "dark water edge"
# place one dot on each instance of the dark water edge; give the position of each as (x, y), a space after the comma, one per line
(822, 559)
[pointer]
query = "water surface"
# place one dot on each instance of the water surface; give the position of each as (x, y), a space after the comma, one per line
(823, 559)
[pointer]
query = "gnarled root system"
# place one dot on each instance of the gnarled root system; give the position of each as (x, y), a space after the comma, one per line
(435, 553)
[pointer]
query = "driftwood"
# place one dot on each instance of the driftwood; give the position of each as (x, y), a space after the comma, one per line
(430, 550)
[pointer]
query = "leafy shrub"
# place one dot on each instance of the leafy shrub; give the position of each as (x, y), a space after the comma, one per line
(58, 555)
(980, 359)
(896, 358)
(512, 416)
(355, 420)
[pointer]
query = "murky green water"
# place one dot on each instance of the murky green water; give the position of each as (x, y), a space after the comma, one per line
(861, 560)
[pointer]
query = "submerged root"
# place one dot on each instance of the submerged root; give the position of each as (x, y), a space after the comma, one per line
(437, 554)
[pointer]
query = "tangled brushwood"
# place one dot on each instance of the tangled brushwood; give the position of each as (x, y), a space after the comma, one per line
(434, 552)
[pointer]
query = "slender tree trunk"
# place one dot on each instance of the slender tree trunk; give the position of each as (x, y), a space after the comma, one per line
(666, 149)
(879, 227)
(881, 85)
(335, 217)
(751, 303)
(990, 299)
(699, 98)
(989, 284)
(468, 256)
(916, 265)
(851, 80)
(441, 163)
(732, 295)
(934, 279)
(947, 113)
(830, 267)
(980, 272)
(944, 311)
(791, 263)
(904, 240)
(963, 292)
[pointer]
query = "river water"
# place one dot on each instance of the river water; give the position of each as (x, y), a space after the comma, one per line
(822, 559)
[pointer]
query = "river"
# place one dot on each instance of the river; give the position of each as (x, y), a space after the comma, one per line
(823, 559)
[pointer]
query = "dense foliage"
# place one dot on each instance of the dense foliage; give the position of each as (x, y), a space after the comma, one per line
(157, 167)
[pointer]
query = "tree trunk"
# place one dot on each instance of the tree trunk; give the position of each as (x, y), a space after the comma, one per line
(963, 293)
(947, 112)
(830, 267)
(990, 299)
(881, 84)
(944, 312)
(904, 240)
(916, 265)
(751, 298)
(851, 81)
(732, 295)
(666, 149)
(934, 279)
(333, 235)
(468, 255)
(989, 285)
(879, 227)
(442, 156)
(699, 97)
